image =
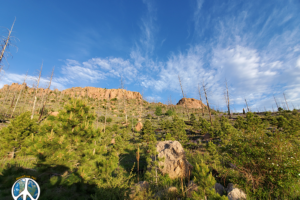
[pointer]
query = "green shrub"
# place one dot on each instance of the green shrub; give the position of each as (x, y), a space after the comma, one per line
(158, 111)
(114, 99)
(101, 119)
(108, 120)
(115, 127)
(169, 113)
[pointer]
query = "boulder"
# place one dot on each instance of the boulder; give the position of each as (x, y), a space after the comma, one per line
(139, 119)
(175, 163)
(192, 187)
(141, 186)
(113, 141)
(219, 189)
(139, 126)
(234, 193)
(168, 193)
(206, 137)
(54, 113)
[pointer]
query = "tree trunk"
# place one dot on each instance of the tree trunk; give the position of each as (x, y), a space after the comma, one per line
(33, 107)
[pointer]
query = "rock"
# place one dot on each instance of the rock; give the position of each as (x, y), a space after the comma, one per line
(235, 193)
(139, 119)
(141, 186)
(113, 141)
(206, 137)
(193, 187)
(115, 115)
(168, 193)
(219, 189)
(139, 126)
(191, 103)
(175, 163)
(54, 114)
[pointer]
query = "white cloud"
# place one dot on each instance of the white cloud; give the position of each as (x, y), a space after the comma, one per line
(9, 78)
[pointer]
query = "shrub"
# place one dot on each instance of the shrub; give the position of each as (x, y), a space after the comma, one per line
(114, 99)
(115, 127)
(280, 109)
(158, 111)
(101, 119)
(266, 163)
(149, 116)
(169, 113)
(108, 120)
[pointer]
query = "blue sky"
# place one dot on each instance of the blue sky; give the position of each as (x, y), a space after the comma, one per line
(255, 45)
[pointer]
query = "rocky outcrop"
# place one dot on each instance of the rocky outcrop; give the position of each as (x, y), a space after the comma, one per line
(139, 126)
(92, 92)
(191, 103)
(175, 163)
(100, 93)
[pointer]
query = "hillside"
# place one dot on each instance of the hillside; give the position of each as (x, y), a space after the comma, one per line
(90, 146)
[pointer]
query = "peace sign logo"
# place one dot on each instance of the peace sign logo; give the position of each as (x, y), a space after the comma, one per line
(25, 189)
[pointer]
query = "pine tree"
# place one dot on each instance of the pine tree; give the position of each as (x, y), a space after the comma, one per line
(68, 138)
(13, 136)
(178, 130)
(147, 131)
(214, 156)
(205, 181)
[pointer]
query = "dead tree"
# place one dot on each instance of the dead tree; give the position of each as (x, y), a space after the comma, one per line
(23, 86)
(6, 44)
(204, 89)
(286, 102)
(47, 95)
(184, 96)
(36, 89)
(276, 102)
(199, 90)
(247, 105)
(226, 95)
(124, 99)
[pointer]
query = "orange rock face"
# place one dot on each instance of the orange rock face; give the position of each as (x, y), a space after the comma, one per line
(92, 92)
(191, 103)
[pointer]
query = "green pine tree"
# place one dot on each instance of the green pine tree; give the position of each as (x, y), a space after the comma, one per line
(205, 181)
(13, 136)
(178, 130)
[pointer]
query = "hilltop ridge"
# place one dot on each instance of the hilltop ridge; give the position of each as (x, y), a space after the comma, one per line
(92, 92)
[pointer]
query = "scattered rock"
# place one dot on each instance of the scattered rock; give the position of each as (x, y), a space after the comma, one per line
(139, 126)
(115, 115)
(175, 163)
(235, 193)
